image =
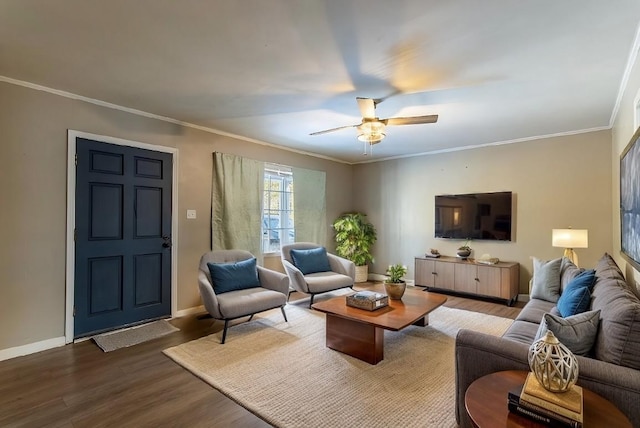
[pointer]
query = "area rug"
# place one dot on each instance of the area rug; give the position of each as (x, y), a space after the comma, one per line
(284, 373)
(132, 336)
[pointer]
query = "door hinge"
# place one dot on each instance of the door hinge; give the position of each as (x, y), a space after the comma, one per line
(74, 311)
(76, 159)
(75, 234)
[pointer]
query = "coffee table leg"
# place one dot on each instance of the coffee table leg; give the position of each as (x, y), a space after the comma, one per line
(360, 340)
(422, 322)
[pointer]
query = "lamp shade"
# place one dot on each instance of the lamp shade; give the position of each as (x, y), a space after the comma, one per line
(570, 238)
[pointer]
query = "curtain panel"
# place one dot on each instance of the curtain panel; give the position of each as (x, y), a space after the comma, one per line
(309, 205)
(236, 203)
(237, 195)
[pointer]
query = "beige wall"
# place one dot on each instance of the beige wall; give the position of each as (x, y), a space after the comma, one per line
(33, 165)
(623, 130)
(557, 182)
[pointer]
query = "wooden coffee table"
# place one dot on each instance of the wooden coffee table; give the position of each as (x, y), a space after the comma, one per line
(486, 403)
(360, 333)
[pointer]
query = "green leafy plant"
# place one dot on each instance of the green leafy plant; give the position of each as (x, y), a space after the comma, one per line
(465, 247)
(354, 238)
(396, 272)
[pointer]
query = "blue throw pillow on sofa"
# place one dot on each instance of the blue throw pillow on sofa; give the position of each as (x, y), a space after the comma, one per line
(576, 296)
(227, 277)
(311, 261)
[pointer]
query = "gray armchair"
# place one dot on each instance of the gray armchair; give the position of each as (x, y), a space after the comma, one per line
(272, 292)
(342, 274)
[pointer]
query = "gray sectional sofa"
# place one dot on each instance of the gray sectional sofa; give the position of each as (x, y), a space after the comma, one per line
(612, 368)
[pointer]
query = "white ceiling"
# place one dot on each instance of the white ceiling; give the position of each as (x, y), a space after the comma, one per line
(276, 70)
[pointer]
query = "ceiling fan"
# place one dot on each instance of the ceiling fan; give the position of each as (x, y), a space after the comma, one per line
(372, 129)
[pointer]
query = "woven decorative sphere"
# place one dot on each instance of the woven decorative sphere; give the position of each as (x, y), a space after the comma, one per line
(553, 364)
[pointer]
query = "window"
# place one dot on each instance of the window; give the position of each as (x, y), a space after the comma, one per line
(277, 209)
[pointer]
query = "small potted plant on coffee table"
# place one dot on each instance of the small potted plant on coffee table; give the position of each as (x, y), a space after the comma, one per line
(395, 284)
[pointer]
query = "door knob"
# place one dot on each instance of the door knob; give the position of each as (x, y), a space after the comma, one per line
(167, 242)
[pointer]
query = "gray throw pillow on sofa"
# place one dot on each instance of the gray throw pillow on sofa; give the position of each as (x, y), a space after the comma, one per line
(568, 271)
(577, 332)
(545, 284)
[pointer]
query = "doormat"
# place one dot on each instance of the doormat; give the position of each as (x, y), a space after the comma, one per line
(132, 336)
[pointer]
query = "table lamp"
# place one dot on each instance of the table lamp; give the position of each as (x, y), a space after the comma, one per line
(570, 239)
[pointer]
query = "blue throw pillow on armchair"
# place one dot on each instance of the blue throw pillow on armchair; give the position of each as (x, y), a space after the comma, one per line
(576, 296)
(311, 261)
(227, 277)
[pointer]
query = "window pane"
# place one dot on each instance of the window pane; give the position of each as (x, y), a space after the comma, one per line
(277, 222)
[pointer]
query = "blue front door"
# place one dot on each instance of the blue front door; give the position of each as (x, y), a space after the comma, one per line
(123, 236)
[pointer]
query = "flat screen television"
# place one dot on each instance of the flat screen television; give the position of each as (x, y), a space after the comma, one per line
(474, 216)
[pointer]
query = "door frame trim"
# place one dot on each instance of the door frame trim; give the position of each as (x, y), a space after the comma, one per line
(71, 220)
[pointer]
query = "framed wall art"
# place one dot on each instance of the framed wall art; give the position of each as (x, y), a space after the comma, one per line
(630, 201)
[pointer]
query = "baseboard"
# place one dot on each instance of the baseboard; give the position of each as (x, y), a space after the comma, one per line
(190, 311)
(379, 277)
(376, 277)
(523, 297)
(31, 348)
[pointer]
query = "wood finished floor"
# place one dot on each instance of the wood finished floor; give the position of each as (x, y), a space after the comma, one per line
(80, 386)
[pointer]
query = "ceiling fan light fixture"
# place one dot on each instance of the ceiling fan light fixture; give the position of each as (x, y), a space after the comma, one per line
(371, 132)
(373, 138)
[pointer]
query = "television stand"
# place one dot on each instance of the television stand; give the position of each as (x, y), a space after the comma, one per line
(466, 277)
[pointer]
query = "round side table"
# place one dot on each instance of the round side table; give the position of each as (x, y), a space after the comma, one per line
(486, 403)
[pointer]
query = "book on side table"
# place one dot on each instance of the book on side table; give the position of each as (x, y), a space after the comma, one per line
(532, 400)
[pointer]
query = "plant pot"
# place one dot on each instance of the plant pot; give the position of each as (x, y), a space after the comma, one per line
(395, 290)
(463, 254)
(362, 273)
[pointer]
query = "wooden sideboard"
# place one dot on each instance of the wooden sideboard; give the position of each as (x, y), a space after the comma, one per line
(500, 281)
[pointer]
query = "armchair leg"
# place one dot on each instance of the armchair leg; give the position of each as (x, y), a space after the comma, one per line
(224, 332)
(250, 318)
(284, 314)
(311, 301)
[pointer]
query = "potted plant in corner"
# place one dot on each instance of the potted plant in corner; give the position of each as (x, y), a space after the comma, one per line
(395, 284)
(465, 251)
(354, 238)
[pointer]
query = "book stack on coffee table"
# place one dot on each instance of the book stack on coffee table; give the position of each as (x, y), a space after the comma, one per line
(556, 409)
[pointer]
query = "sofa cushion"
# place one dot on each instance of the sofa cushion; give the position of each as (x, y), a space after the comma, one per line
(320, 282)
(576, 297)
(618, 339)
(239, 303)
(534, 310)
(546, 280)
(311, 261)
(521, 331)
(226, 277)
(577, 332)
(608, 268)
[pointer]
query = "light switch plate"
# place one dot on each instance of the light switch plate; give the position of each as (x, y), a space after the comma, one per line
(191, 214)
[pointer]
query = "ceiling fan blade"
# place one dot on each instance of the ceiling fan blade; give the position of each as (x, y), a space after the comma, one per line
(415, 120)
(333, 129)
(367, 107)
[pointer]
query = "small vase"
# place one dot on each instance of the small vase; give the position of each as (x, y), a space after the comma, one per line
(395, 290)
(553, 364)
